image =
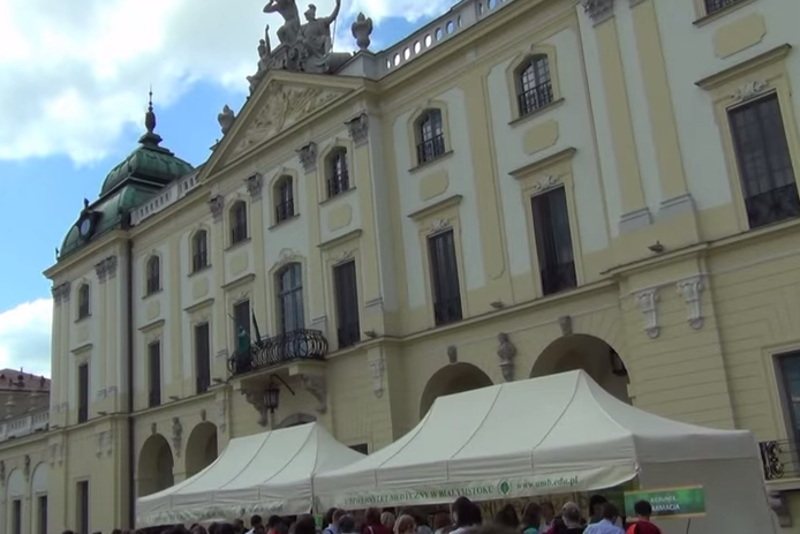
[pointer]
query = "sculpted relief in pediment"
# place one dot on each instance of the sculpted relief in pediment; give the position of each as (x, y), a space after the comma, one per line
(284, 106)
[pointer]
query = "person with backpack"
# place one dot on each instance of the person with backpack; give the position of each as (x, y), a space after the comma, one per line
(642, 525)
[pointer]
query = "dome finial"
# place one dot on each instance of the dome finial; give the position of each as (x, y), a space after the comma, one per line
(150, 138)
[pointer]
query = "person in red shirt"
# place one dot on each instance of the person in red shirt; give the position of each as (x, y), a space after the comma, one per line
(642, 525)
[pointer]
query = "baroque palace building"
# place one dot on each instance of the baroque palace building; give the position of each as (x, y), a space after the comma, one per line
(519, 188)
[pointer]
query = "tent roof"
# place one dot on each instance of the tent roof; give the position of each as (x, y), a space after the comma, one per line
(271, 471)
(564, 429)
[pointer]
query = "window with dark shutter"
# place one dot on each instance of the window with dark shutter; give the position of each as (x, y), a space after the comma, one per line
(553, 241)
(83, 506)
(41, 514)
(348, 328)
(430, 136)
(444, 278)
(154, 373)
(153, 275)
(199, 250)
(290, 298)
(16, 516)
(83, 392)
(202, 355)
(768, 180)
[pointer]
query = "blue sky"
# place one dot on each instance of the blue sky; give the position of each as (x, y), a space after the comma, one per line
(71, 123)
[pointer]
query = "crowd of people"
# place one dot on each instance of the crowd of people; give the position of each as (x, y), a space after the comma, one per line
(464, 517)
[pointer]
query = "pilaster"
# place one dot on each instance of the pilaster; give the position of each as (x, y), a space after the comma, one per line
(314, 274)
(487, 196)
(635, 213)
(219, 340)
(258, 224)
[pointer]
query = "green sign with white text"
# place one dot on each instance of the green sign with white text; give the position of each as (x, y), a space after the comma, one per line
(687, 501)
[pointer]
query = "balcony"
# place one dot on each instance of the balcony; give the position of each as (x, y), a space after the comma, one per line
(780, 460)
(25, 425)
(270, 352)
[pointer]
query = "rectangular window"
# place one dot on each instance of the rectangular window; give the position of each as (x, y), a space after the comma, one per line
(765, 165)
(789, 367)
(202, 355)
(82, 494)
(41, 528)
(83, 392)
(241, 316)
(346, 294)
(284, 202)
(16, 516)
(154, 373)
(444, 278)
(553, 241)
(712, 6)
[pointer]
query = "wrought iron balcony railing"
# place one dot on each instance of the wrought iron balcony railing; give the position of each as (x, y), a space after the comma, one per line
(283, 348)
(780, 459)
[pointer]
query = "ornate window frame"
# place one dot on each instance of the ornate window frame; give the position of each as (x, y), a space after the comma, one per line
(192, 236)
(703, 17)
(755, 78)
(287, 257)
(438, 217)
(274, 184)
(540, 177)
(325, 155)
(83, 285)
(157, 256)
(229, 214)
(518, 62)
(412, 126)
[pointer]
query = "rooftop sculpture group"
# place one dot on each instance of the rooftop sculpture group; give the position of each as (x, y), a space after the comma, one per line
(306, 47)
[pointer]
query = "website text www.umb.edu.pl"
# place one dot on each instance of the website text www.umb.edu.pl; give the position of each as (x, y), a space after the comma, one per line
(486, 491)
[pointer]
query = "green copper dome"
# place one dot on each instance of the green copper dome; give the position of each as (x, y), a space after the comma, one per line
(130, 184)
(149, 162)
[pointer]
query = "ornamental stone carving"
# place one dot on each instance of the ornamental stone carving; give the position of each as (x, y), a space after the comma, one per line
(749, 90)
(452, 354)
(106, 268)
(177, 436)
(105, 443)
(506, 351)
(362, 30)
(284, 106)
(308, 157)
(378, 368)
(315, 384)
(61, 293)
(226, 118)
(439, 225)
(691, 291)
(255, 184)
(565, 323)
(358, 129)
(258, 400)
(216, 204)
(546, 183)
(647, 301)
(598, 10)
(222, 415)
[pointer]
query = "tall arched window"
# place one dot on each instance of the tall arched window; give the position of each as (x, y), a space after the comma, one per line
(284, 199)
(83, 301)
(290, 298)
(430, 136)
(199, 250)
(238, 221)
(153, 275)
(534, 84)
(338, 177)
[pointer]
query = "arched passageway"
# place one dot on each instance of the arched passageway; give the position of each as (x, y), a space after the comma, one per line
(455, 378)
(201, 448)
(155, 466)
(593, 355)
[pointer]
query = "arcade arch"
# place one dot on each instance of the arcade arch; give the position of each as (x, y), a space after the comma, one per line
(156, 464)
(589, 353)
(455, 378)
(201, 448)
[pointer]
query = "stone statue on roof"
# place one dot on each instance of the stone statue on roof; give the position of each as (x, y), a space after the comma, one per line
(316, 32)
(287, 34)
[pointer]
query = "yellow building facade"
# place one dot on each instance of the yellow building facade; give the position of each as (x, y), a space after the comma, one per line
(519, 188)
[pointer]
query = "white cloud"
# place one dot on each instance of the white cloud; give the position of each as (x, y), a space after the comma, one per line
(76, 73)
(25, 337)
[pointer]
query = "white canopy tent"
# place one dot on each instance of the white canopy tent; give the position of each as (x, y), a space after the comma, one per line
(557, 434)
(268, 473)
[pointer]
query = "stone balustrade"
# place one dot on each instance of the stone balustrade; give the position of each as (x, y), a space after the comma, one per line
(24, 425)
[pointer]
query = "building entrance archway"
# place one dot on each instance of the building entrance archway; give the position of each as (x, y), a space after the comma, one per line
(201, 448)
(589, 353)
(455, 378)
(155, 466)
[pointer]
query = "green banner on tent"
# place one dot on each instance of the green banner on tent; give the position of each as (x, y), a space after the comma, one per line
(688, 501)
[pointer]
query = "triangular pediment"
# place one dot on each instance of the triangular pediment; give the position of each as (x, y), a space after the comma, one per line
(282, 102)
